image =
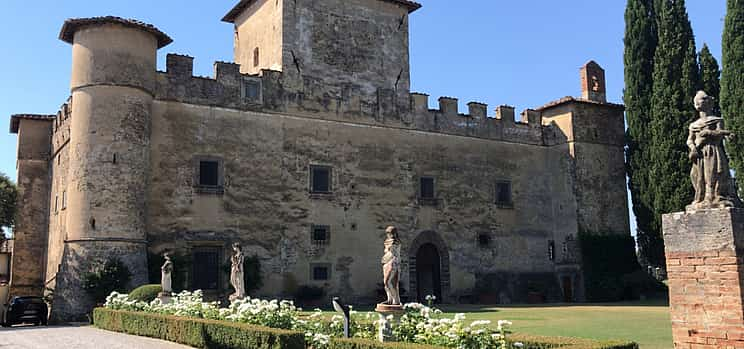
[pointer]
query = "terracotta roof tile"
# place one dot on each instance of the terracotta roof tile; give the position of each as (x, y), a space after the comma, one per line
(570, 99)
(72, 25)
(243, 4)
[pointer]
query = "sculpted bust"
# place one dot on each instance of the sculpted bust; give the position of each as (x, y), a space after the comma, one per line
(710, 174)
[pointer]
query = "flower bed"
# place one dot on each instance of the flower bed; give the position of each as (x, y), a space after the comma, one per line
(255, 323)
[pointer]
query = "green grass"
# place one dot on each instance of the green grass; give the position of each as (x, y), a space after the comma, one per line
(647, 324)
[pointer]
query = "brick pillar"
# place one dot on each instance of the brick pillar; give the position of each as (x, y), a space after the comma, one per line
(704, 254)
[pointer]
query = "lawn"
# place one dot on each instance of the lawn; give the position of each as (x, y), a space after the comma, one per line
(647, 324)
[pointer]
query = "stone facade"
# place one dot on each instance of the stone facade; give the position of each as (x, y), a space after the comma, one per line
(150, 161)
(705, 266)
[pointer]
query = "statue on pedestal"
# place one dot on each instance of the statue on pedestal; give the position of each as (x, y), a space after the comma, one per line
(710, 174)
(391, 266)
(165, 277)
(237, 273)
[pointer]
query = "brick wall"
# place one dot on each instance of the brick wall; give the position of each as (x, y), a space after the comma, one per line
(704, 265)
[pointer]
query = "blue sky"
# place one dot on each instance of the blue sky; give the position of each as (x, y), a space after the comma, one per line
(522, 53)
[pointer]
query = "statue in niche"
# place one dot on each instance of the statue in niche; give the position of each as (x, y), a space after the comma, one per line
(391, 267)
(237, 273)
(165, 278)
(710, 172)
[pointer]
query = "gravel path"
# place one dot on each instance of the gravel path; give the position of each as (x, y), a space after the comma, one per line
(78, 337)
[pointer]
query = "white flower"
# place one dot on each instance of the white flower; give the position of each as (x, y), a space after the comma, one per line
(519, 344)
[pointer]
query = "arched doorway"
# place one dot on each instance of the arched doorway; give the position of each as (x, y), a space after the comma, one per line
(428, 272)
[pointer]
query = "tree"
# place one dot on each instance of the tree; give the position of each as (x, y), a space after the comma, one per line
(8, 193)
(710, 76)
(640, 46)
(732, 82)
(675, 82)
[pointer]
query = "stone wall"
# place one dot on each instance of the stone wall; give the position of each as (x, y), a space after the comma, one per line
(705, 267)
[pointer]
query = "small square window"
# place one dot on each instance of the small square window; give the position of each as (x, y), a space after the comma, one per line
(209, 173)
(426, 190)
(321, 234)
(484, 240)
(320, 179)
(504, 194)
(321, 272)
(252, 91)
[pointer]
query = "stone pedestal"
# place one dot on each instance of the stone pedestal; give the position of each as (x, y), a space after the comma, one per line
(164, 297)
(389, 317)
(704, 255)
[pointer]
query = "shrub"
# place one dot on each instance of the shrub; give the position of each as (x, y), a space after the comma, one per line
(198, 333)
(145, 293)
(354, 343)
(112, 276)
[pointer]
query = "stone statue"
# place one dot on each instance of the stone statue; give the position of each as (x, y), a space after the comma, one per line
(236, 273)
(165, 279)
(710, 173)
(391, 266)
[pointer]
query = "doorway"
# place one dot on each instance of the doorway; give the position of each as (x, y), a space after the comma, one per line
(567, 287)
(428, 279)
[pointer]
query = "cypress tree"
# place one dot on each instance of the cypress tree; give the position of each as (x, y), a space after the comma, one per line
(710, 76)
(675, 82)
(640, 45)
(732, 83)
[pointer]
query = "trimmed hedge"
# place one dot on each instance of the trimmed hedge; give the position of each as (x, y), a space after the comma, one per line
(198, 333)
(356, 343)
(145, 293)
(543, 342)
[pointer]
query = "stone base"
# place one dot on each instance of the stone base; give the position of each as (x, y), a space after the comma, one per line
(165, 297)
(705, 255)
(389, 317)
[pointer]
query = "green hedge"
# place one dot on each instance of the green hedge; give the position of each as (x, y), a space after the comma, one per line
(145, 293)
(543, 342)
(198, 333)
(356, 343)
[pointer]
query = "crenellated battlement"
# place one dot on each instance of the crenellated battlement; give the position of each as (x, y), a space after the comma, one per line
(268, 91)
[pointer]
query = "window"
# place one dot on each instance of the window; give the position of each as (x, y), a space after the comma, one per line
(56, 204)
(209, 177)
(320, 179)
(64, 200)
(206, 269)
(320, 272)
(209, 173)
(551, 250)
(256, 57)
(320, 234)
(484, 240)
(252, 91)
(504, 194)
(427, 194)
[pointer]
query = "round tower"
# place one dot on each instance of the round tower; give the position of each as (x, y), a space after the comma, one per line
(112, 85)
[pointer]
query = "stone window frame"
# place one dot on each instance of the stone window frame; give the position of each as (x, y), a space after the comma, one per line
(257, 83)
(311, 178)
(327, 239)
(503, 204)
(219, 189)
(429, 201)
(328, 268)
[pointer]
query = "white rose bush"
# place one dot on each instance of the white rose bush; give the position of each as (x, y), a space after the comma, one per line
(421, 324)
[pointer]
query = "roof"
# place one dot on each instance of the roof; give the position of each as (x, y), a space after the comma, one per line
(243, 4)
(570, 99)
(72, 25)
(15, 120)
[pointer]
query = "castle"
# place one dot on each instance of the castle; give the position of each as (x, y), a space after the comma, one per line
(304, 150)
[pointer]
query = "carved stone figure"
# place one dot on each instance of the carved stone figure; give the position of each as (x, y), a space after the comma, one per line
(710, 173)
(165, 278)
(391, 266)
(236, 273)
